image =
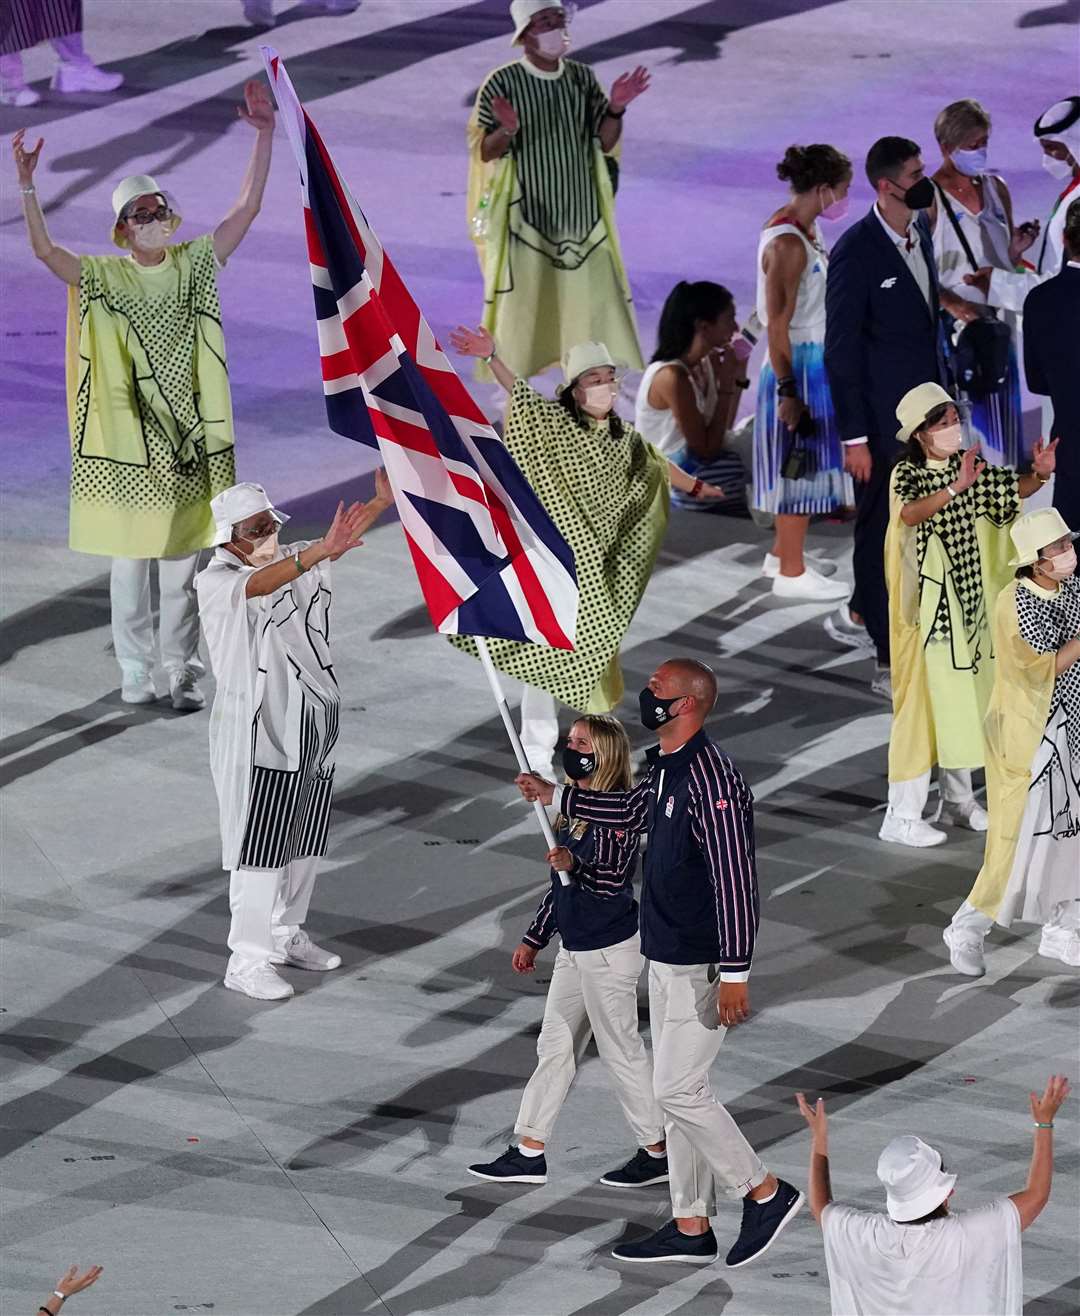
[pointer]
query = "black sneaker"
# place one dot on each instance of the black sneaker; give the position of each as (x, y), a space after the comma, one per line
(513, 1167)
(669, 1244)
(762, 1223)
(640, 1171)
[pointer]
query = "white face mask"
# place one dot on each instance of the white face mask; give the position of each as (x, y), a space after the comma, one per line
(971, 163)
(552, 44)
(1056, 168)
(1061, 566)
(944, 442)
(600, 398)
(153, 236)
(264, 551)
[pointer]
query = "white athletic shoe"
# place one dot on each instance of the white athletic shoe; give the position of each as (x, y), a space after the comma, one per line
(811, 585)
(300, 952)
(83, 75)
(909, 831)
(21, 96)
(844, 629)
(184, 692)
(137, 688)
(965, 952)
(882, 682)
(1061, 944)
(770, 567)
(259, 981)
(966, 813)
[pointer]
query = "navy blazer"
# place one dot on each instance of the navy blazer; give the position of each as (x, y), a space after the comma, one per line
(881, 336)
(1052, 355)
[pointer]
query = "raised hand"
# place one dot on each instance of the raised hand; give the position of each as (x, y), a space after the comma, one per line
(1022, 238)
(524, 958)
(258, 108)
(534, 787)
(1044, 1108)
(815, 1117)
(971, 467)
(628, 87)
(505, 115)
(344, 532)
(73, 1282)
(1044, 458)
(25, 161)
(472, 342)
(384, 495)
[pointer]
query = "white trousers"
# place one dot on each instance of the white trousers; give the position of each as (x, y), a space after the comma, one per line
(907, 799)
(269, 906)
(133, 621)
(592, 992)
(539, 727)
(704, 1145)
(1065, 914)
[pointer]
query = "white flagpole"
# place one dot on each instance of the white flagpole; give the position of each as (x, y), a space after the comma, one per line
(515, 740)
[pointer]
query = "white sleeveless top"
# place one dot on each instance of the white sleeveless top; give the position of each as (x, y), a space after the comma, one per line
(659, 427)
(808, 322)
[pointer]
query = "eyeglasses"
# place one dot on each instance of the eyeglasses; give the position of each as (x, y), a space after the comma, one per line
(142, 217)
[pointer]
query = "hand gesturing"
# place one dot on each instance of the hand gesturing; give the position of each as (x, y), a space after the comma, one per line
(628, 87)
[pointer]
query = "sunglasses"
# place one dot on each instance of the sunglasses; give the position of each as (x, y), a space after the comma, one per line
(142, 217)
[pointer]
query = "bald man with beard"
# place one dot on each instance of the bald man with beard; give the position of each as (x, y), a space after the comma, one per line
(699, 918)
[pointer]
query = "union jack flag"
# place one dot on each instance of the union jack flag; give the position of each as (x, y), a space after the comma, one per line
(489, 559)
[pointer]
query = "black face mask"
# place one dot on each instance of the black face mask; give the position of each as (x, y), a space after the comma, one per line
(654, 710)
(578, 766)
(920, 195)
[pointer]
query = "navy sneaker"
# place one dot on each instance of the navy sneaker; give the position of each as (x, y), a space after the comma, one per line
(513, 1167)
(763, 1222)
(640, 1171)
(670, 1244)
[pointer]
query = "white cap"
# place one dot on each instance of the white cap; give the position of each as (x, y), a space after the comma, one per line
(916, 404)
(522, 13)
(586, 356)
(914, 1181)
(236, 504)
(125, 192)
(1032, 532)
(1061, 123)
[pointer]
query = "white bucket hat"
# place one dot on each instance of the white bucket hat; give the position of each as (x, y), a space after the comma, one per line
(916, 404)
(522, 13)
(125, 192)
(1032, 532)
(236, 504)
(913, 1178)
(586, 356)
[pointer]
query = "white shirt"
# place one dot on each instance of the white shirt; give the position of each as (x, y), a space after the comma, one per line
(913, 259)
(967, 1264)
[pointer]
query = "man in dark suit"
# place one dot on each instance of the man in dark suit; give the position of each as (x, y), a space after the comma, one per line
(1052, 363)
(882, 338)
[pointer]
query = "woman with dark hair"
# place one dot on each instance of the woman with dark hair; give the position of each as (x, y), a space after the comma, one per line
(607, 491)
(688, 396)
(798, 457)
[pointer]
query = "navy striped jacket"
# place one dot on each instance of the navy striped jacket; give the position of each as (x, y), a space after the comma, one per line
(598, 908)
(699, 892)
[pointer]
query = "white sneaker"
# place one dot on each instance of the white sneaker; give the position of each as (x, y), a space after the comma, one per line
(882, 682)
(810, 585)
(259, 13)
(1061, 944)
(771, 565)
(185, 693)
(258, 981)
(965, 952)
(20, 96)
(844, 629)
(909, 831)
(137, 688)
(302, 953)
(965, 813)
(83, 75)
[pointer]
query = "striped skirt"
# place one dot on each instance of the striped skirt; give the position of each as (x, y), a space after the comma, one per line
(289, 812)
(998, 418)
(825, 486)
(23, 23)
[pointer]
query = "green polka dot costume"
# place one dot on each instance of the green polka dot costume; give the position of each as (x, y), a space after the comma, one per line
(148, 403)
(609, 498)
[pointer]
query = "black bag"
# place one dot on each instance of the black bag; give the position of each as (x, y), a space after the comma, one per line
(980, 355)
(797, 462)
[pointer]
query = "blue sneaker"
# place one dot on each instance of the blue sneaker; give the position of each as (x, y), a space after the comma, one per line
(513, 1167)
(670, 1244)
(638, 1172)
(763, 1222)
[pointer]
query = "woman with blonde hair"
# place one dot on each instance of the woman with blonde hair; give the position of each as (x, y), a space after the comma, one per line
(594, 981)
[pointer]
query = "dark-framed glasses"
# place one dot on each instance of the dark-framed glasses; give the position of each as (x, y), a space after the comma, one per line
(142, 217)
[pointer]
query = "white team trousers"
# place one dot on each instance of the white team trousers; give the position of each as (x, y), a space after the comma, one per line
(907, 799)
(1065, 914)
(705, 1148)
(133, 621)
(539, 727)
(269, 906)
(592, 991)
